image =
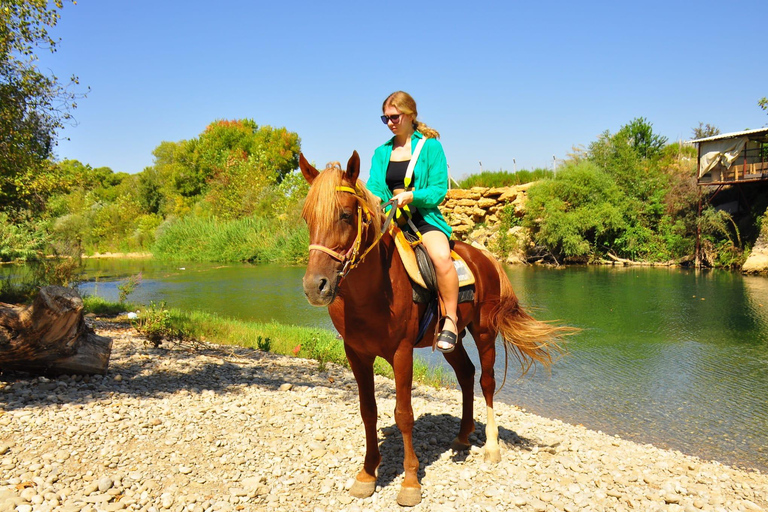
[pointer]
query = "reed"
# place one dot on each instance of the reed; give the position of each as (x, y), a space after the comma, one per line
(252, 239)
(504, 178)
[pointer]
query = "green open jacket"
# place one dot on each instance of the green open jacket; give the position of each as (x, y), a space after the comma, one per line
(430, 179)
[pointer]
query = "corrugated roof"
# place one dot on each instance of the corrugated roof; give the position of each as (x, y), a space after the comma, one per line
(730, 135)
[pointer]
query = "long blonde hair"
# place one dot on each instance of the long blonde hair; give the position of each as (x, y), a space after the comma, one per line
(405, 103)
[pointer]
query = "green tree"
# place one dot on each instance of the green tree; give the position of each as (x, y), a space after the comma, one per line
(763, 103)
(638, 134)
(580, 209)
(33, 105)
(705, 130)
(225, 172)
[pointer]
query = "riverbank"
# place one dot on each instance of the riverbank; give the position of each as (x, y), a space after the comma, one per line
(204, 427)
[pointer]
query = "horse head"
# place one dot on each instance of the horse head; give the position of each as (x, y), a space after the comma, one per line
(337, 211)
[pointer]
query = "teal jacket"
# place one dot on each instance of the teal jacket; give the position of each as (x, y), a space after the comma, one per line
(430, 179)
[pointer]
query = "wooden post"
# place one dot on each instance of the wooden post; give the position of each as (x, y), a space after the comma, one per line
(51, 337)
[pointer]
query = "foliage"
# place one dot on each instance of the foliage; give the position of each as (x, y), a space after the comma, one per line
(156, 323)
(128, 286)
(763, 103)
(705, 130)
(504, 178)
(173, 324)
(33, 105)
(628, 195)
(264, 344)
(99, 306)
(504, 242)
(22, 238)
(581, 208)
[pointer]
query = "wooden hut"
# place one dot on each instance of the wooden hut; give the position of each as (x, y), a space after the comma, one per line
(731, 159)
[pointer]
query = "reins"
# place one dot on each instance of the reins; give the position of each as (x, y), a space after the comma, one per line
(353, 257)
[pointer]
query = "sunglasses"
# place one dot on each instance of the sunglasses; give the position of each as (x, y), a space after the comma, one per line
(394, 118)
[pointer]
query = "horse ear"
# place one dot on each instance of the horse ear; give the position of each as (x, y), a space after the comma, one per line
(309, 172)
(353, 167)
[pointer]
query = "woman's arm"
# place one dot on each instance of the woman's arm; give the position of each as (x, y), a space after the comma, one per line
(377, 179)
(432, 162)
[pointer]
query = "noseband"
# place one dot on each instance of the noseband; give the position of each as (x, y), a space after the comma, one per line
(353, 257)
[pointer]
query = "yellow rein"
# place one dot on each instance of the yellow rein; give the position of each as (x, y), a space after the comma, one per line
(352, 258)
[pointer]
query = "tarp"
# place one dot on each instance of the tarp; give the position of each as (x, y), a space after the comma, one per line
(722, 152)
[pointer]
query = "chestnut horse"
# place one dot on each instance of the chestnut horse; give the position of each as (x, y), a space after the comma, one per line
(357, 272)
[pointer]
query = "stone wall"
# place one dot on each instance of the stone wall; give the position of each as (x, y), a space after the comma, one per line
(474, 215)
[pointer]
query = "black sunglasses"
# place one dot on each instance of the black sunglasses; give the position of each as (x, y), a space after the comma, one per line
(394, 118)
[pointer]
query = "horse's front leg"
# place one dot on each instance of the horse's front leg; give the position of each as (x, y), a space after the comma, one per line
(362, 368)
(410, 491)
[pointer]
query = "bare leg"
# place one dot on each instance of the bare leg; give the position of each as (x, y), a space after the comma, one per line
(439, 251)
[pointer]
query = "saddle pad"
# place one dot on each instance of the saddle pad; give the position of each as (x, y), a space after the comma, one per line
(412, 267)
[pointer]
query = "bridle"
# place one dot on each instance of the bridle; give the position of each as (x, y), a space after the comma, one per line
(353, 257)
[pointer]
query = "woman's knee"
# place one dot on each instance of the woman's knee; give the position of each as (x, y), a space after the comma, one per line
(439, 252)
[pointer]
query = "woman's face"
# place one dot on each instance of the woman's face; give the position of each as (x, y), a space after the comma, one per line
(404, 124)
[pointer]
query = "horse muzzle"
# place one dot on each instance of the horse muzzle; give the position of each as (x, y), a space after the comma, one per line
(320, 289)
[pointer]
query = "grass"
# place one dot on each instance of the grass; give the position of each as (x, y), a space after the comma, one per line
(504, 178)
(158, 322)
(252, 239)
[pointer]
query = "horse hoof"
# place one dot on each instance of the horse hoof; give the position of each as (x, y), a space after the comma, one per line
(362, 489)
(492, 456)
(459, 446)
(409, 496)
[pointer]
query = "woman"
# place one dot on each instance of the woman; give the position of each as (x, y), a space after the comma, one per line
(429, 186)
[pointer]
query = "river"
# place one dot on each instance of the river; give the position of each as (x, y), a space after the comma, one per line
(675, 358)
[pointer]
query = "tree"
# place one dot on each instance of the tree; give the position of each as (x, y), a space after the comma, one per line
(639, 135)
(763, 103)
(33, 105)
(578, 212)
(705, 130)
(224, 171)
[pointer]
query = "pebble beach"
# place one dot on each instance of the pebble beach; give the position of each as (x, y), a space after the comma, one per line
(199, 427)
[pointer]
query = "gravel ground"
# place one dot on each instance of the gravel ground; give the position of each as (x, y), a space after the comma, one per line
(209, 428)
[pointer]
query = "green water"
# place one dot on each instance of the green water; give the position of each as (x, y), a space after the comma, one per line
(670, 357)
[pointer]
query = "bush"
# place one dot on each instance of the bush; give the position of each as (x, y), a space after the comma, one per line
(580, 209)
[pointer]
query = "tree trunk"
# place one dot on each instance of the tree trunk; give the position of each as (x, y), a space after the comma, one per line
(50, 336)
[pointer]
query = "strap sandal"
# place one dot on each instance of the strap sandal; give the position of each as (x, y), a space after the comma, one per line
(448, 338)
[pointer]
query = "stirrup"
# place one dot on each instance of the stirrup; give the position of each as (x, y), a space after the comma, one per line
(447, 337)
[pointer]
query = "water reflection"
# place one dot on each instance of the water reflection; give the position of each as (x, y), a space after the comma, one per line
(671, 357)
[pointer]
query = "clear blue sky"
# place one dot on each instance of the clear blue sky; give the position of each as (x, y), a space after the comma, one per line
(500, 80)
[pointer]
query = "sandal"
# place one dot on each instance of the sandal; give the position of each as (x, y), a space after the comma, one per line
(447, 337)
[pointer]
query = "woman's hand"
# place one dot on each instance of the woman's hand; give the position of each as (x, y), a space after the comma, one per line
(403, 198)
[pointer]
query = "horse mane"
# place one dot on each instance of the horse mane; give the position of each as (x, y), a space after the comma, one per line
(322, 207)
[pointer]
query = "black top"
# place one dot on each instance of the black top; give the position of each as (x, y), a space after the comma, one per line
(396, 174)
(396, 180)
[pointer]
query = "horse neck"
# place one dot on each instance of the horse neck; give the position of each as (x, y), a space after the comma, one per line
(379, 272)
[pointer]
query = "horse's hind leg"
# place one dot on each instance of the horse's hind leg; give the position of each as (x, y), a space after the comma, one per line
(465, 375)
(485, 339)
(365, 482)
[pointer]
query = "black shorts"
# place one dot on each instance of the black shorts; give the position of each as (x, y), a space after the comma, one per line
(418, 220)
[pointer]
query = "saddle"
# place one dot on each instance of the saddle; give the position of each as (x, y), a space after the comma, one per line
(419, 267)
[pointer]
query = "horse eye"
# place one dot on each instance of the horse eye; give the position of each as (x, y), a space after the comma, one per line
(347, 216)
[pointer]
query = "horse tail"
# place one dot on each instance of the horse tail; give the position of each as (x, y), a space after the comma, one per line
(527, 339)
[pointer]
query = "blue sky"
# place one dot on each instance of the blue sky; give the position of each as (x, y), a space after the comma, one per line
(509, 84)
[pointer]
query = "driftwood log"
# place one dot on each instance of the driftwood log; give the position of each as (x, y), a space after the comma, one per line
(51, 337)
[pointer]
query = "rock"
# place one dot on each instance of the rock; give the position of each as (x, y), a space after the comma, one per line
(227, 439)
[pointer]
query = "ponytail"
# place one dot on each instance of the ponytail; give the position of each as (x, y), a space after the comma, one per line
(426, 131)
